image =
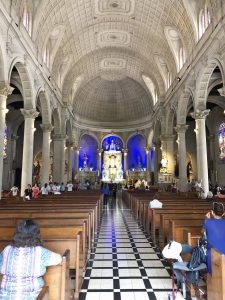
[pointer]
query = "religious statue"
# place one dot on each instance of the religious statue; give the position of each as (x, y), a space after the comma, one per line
(85, 160)
(112, 146)
(36, 169)
(189, 169)
(164, 164)
(139, 162)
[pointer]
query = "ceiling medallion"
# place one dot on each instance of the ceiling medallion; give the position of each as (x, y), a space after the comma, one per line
(113, 64)
(111, 7)
(113, 37)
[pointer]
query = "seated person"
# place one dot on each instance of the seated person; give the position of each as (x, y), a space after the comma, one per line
(29, 260)
(28, 192)
(214, 227)
(14, 190)
(35, 191)
(44, 190)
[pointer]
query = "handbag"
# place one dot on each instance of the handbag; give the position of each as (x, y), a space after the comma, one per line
(198, 255)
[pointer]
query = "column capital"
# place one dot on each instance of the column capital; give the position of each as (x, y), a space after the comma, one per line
(147, 149)
(125, 151)
(59, 137)
(69, 144)
(181, 128)
(200, 114)
(100, 150)
(29, 113)
(46, 127)
(222, 91)
(6, 90)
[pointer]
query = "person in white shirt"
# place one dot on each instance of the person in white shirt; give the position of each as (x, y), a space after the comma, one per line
(57, 189)
(14, 190)
(69, 186)
(54, 188)
(44, 190)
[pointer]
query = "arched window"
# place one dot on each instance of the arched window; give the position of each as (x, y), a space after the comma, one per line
(151, 88)
(27, 19)
(164, 70)
(204, 20)
(46, 55)
(176, 45)
(181, 56)
(221, 141)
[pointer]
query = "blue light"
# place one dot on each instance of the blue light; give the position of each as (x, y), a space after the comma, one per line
(136, 148)
(89, 147)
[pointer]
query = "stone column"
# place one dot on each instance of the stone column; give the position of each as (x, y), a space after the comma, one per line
(28, 146)
(59, 157)
(148, 162)
(125, 152)
(76, 159)
(167, 145)
(4, 93)
(202, 162)
(157, 150)
(99, 161)
(212, 158)
(181, 132)
(69, 161)
(47, 129)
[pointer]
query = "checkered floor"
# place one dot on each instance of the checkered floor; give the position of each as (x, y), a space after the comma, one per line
(124, 265)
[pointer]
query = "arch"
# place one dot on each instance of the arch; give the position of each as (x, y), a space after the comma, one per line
(56, 121)
(183, 105)
(88, 149)
(134, 134)
(91, 134)
(203, 82)
(112, 134)
(25, 77)
(45, 107)
(136, 151)
(171, 114)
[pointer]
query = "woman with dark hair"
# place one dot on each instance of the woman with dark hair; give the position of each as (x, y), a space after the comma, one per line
(24, 262)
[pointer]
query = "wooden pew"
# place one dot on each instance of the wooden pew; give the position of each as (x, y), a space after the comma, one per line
(57, 239)
(56, 281)
(216, 281)
(44, 294)
(166, 217)
(176, 228)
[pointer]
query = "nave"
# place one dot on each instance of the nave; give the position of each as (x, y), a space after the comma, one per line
(124, 264)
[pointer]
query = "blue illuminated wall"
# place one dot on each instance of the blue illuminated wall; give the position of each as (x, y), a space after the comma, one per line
(136, 147)
(117, 141)
(89, 147)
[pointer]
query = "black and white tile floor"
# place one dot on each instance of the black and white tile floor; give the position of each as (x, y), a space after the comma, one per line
(124, 265)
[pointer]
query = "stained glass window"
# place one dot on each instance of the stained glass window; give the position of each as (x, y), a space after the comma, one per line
(5, 143)
(221, 140)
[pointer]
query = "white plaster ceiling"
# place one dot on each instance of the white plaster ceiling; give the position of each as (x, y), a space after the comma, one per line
(110, 40)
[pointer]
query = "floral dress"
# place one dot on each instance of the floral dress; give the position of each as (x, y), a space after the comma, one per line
(22, 270)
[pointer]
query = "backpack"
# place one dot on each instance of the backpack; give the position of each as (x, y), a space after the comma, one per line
(198, 254)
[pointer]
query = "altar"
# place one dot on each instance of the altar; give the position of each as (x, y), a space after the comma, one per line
(112, 170)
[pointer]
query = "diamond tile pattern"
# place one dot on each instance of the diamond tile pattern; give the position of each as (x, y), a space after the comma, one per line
(118, 270)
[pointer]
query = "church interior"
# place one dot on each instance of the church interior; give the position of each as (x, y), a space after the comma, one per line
(106, 105)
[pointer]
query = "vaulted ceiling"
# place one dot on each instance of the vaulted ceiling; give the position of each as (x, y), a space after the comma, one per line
(109, 45)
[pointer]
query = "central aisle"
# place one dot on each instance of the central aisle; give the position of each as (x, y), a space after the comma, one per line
(124, 264)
